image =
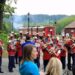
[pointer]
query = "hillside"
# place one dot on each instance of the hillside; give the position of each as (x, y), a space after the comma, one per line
(39, 19)
(61, 20)
(64, 22)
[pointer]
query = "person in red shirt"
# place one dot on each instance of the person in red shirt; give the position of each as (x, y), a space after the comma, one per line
(68, 44)
(11, 56)
(73, 56)
(63, 56)
(37, 44)
(19, 50)
(46, 54)
(1, 51)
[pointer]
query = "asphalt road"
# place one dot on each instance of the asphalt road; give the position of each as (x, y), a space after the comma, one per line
(5, 68)
(16, 70)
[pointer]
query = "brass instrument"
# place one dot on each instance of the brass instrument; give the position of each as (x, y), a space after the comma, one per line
(53, 50)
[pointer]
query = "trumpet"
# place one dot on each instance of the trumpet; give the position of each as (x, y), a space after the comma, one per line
(54, 51)
(73, 45)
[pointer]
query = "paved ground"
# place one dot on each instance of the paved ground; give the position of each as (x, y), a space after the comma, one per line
(16, 70)
(5, 68)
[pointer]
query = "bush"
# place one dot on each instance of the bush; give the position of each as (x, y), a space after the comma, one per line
(3, 37)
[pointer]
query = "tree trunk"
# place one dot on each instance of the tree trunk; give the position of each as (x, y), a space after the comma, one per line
(2, 3)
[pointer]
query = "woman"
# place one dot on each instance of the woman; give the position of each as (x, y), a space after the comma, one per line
(27, 66)
(54, 67)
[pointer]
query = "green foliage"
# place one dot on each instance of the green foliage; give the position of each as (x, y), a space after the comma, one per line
(3, 37)
(7, 27)
(10, 1)
(64, 22)
(8, 9)
(6, 15)
(1, 6)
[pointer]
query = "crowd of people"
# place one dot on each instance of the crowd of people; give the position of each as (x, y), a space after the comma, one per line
(26, 50)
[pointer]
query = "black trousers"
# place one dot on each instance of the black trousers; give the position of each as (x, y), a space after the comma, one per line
(20, 58)
(45, 64)
(11, 63)
(73, 69)
(16, 58)
(69, 60)
(37, 62)
(0, 62)
(63, 60)
(73, 65)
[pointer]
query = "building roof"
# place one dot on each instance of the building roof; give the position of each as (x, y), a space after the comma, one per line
(71, 25)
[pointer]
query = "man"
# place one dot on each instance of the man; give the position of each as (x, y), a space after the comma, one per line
(28, 41)
(1, 43)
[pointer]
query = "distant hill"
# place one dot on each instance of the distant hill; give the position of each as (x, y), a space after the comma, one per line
(61, 20)
(64, 22)
(40, 19)
(37, 18)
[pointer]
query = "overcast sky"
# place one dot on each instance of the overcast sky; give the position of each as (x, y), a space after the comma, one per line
(51, 7)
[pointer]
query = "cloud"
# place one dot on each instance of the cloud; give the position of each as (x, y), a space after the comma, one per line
(45, 7)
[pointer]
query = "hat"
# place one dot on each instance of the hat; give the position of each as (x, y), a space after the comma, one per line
(20, 32)
(35, 37)
(9, 41)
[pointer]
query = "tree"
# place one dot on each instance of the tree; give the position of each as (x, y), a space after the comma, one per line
(8, 11)
(2, 4)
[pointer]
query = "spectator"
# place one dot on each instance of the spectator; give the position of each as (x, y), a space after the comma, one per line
(27, 66)
(28, 41)
(54, 67)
